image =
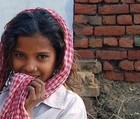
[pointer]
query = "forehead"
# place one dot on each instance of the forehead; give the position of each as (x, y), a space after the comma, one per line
(33, 42)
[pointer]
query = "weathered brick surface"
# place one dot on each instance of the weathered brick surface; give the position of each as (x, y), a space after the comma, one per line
(111, 55)
(133, 30)
(80, 19)
(137, 65)
(81, 1)
(126, 42)
(128, 1)
(89, 85)
(81, 42)
(114, 75)
(85, 9)
(134, 54)
(138, 1)
(109, 19)
(113, 9)
(95, 1)
(109, 31)
(91, 65)
(107, 66)
(133, 77)
(111, 41)
(136, 41)
(84, 30)
(111, 1)
(124, 19)
(94, 20)
(137, 18)
(135, 8)
(85, 54)
(126, 65)
(95, 42)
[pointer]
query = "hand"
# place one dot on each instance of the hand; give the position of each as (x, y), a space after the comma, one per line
(36, 93)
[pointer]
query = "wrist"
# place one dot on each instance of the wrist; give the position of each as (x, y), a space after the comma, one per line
(30, 112)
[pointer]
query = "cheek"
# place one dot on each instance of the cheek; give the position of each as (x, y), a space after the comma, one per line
(16, 65)
(48, 69)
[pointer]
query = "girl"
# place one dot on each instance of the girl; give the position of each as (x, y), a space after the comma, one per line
(37, 58)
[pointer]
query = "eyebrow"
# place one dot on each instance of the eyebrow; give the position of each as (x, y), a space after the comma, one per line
(18, 51)
(41, 52)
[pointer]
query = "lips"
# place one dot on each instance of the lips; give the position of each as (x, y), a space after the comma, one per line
(36, 76)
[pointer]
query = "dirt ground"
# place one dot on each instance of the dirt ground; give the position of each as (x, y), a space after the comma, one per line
(117, 100)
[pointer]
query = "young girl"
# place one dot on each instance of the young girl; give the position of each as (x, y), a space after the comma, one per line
(37, 59)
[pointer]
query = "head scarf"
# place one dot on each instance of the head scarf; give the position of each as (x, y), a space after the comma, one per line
(14, 105)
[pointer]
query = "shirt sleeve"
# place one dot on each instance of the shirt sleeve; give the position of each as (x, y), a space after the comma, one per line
(75, 110)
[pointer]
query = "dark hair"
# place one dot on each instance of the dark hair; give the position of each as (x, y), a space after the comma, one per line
(29, 23)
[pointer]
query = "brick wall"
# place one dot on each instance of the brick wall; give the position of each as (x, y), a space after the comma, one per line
(109, 31)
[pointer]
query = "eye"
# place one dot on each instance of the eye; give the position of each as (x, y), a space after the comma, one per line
(42, 57)
(18, 55)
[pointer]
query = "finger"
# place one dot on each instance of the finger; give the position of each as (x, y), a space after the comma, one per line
(31, 99)
(40, 82)
(37, 87)
(42, 87)
(31, 93)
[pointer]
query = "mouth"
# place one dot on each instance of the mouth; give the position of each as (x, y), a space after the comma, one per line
(33, 75)
(36, 76)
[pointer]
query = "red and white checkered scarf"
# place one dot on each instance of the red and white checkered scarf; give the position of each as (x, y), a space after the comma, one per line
(14, 105)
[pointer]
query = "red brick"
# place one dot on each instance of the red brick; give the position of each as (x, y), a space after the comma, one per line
(80, 19)
(95, 42)
(126, 65)
(107, 66)
(82, 1)
(138, 1)
(95, 1)
(81, 43)
(94, 20)
(133, 30)
(132, 77)
(110, 41)
(126, 42)
(109, 30)
(114, 75)
(134, 54)
(111, 55)
(113, 9)
(111, 1)
(124, 19)
(85, 9)
(83, 30)
(128, 1)
(109, 19)
(135, 8)
(137, 65)
(137, 18)
(85, 54)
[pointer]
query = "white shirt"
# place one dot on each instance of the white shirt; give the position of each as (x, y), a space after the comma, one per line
(63, 104)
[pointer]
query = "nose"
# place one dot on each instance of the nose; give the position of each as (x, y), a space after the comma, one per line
(29, 67)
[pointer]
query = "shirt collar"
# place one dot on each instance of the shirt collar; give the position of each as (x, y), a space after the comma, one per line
(6, 86)
(56, 100)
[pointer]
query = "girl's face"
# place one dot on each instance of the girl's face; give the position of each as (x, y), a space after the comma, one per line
(34, 56)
